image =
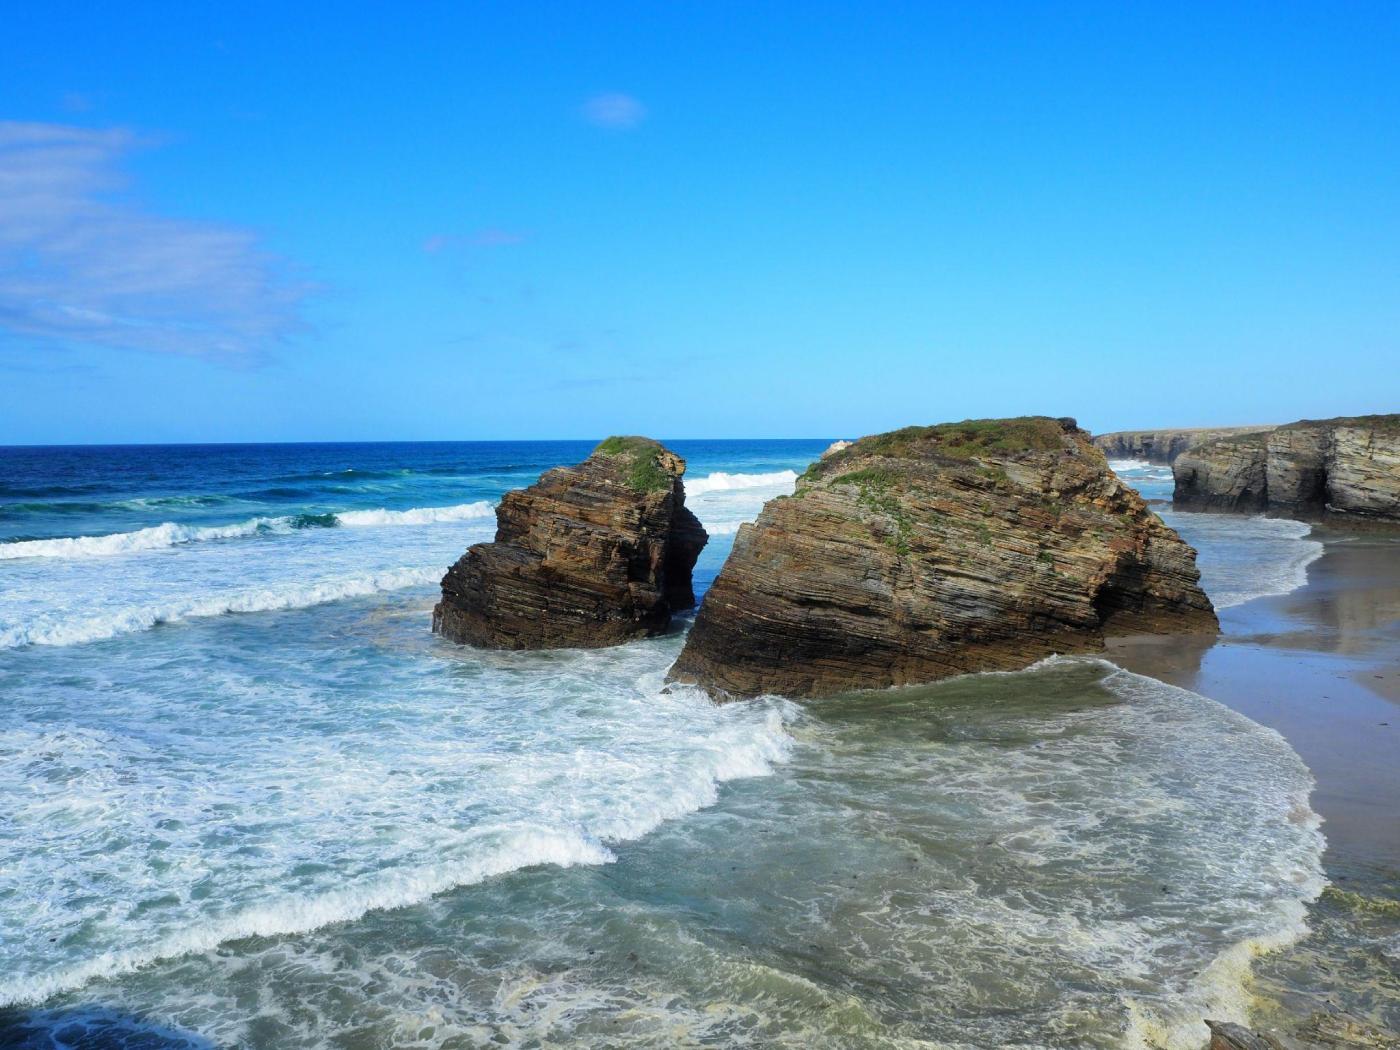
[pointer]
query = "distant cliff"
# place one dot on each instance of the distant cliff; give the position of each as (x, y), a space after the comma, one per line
(1349, 465)
(1163, 446)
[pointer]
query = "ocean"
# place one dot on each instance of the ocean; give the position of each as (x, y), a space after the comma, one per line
(250, 800)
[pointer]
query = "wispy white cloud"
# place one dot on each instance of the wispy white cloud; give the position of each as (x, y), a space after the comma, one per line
(614, 110)
(79, 264)
(491, 237)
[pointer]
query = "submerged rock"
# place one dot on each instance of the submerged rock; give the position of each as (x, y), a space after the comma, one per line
(1349, 465)
(1321, 1031)
(933, 551)
(588, 556)
(1164, 446)
(1226, 1035)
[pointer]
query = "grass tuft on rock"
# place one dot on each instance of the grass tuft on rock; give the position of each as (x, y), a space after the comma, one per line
(642, 470)
(970, 439)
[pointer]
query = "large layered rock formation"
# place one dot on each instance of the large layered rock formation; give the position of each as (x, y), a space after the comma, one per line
(1349, 465)
(933, 551)
(591, 555)
(1164, 446)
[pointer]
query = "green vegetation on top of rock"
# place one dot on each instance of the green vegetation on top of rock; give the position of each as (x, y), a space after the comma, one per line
(1383, 423)
(644, 471)
(970, 439)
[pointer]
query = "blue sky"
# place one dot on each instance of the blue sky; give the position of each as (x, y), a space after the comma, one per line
(330, 222)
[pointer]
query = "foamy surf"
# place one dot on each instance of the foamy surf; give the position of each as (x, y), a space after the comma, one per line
(721, 481)
(170, 534)
(1289, 860)
(336, 841)
(287, 916)
(1243, 558)
(724, 501)
(48, 630)
(990, 867)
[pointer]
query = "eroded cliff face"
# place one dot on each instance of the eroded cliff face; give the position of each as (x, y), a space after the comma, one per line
(590, 555)
(1164, 446)
(1349, 465)
(1228, 474)
(934, 551)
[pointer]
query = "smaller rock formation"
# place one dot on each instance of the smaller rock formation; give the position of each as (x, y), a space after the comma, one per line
(1227, 474)
(591, 555)
(933, 551)
(836, 446)
(1349, 465)
(1164, 446)
(1226, 1035)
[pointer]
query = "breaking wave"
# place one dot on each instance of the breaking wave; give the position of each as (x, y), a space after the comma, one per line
(720, 481)
(170, 534)
(58, 629)
(1243, 558)
(566, 807)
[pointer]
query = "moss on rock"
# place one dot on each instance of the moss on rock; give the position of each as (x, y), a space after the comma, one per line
(644, 470)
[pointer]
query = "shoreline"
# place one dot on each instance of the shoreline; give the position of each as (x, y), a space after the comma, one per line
(1321, 666)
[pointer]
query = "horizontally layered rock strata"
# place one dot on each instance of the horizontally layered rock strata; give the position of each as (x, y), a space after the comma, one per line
(1164, 446)
(933, 551)
(590, 555)
(1349, 465)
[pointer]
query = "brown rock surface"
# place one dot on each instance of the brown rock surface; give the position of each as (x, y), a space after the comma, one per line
(588, 556)
(1164, 446)
(1349, 465)
(1228, 474)
(933, 551)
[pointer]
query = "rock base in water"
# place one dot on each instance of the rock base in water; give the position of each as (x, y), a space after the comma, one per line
(589, 556)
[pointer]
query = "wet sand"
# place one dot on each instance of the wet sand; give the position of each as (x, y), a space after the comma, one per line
(1322, 666)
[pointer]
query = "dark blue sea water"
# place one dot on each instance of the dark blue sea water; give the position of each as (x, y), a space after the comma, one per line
(246, 797)
(96, 490)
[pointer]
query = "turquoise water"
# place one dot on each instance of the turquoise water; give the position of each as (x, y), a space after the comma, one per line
(251, 800)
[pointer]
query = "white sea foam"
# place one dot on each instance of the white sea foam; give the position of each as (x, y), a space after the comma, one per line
(724, 501)
(417, 516)
(286, 915)
(170, 534)
(304, 810)
(1120, 466)
(1282, 841)
(721, 481)
(166, 535)
(68, 630)
(1243, 558)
